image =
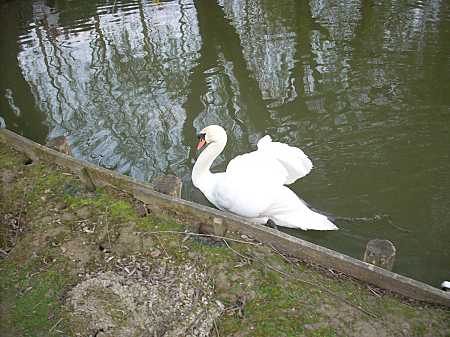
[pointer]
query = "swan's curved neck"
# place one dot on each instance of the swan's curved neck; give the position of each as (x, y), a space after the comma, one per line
(201, 171)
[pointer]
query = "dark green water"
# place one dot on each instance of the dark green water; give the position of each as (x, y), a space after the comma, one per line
(363, 87)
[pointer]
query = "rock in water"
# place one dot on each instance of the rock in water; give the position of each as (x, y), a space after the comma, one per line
(380, 253)
(59, 144)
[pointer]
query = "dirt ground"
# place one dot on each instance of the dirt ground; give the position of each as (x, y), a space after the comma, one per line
(79, 263)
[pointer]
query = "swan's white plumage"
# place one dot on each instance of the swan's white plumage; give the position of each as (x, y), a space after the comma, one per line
(253, 184)
(296, 163)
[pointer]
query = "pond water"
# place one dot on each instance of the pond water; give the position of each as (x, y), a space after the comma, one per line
(363, 87)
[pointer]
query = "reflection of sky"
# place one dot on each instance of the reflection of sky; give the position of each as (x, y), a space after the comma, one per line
(117, 89)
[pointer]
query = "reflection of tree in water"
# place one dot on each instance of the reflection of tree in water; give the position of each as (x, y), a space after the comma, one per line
(117, 90)
(355, 67)
(128, 86)
(267, 44)
(370, 59)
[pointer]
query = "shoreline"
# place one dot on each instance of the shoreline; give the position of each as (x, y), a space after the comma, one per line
(78, 262)
(209, 220)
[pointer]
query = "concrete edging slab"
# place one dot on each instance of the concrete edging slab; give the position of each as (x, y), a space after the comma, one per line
(294, 246)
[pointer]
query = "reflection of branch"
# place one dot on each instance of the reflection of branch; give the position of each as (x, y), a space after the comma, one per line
(58, 66)
(182, 21)
(103, 63)
(150, 48)
(47, 68)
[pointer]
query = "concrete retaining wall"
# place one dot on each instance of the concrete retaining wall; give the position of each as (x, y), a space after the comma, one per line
(206, 215)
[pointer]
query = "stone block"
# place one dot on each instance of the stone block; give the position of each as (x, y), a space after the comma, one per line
(169, 184)
(380, 253)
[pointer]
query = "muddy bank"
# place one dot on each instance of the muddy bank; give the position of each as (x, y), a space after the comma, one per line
(80, 263)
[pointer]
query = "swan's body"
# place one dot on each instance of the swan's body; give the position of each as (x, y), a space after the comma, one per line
(253, 184)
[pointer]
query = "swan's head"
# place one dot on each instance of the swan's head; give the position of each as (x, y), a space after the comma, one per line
(212, 134)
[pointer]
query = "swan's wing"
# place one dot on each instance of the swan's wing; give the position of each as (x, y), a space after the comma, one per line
(256, 167)
(294, 160)
(246, 186)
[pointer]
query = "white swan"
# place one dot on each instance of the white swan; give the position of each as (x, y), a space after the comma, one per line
(253, 184)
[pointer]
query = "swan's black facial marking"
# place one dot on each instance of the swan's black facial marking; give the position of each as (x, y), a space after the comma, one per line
(202, 140)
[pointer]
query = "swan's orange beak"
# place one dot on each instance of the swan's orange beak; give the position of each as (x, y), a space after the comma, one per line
(201, 143)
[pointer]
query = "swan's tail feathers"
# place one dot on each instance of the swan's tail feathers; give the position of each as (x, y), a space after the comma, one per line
(290, 211)
(314, 221)
(294, 160)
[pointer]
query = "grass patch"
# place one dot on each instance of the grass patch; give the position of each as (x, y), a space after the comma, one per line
(32, 294)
